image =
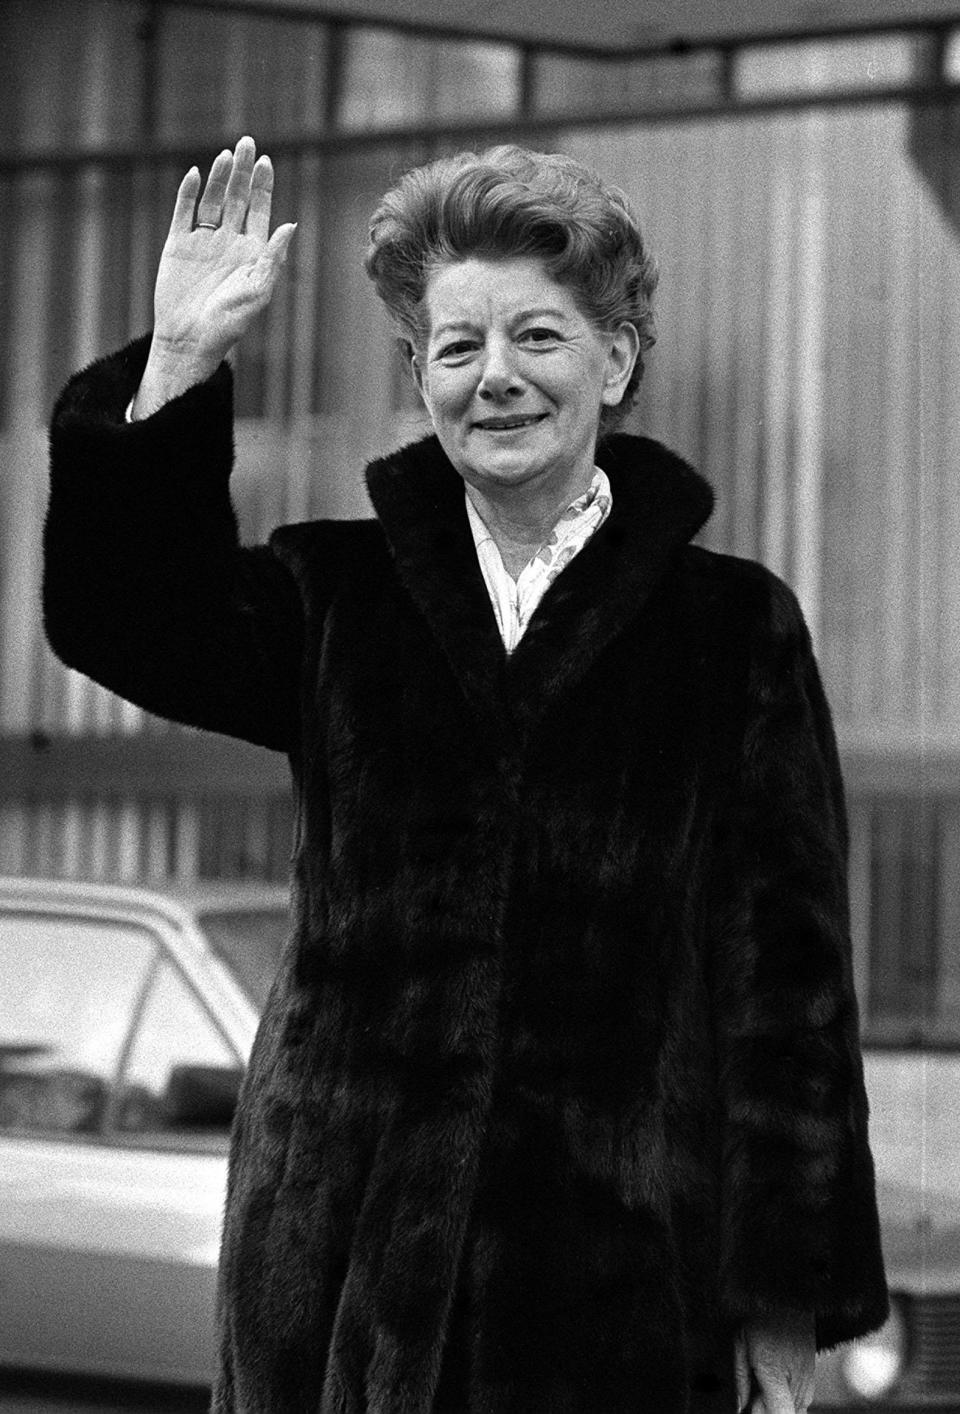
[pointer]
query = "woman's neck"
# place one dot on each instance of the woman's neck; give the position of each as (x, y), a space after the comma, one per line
(519, 524)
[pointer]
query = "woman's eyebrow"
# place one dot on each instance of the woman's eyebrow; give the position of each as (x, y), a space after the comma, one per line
(546, 311)
(453, 325)
(538, 312)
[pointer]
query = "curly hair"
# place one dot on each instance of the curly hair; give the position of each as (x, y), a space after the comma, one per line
(508, 202)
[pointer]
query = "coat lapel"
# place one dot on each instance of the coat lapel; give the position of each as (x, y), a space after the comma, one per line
(419, 501)
(659, 503)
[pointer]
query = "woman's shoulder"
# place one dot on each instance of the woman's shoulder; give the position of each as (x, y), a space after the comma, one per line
(742, 590)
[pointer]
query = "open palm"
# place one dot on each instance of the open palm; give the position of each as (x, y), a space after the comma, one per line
(216, 276)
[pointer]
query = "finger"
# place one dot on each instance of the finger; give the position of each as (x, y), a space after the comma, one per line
(805, 1394)
(237, 194)
(182, 219)
(261, 199)
(775, 1396)
(802, 1380)
(211, 203)
(742, 1374)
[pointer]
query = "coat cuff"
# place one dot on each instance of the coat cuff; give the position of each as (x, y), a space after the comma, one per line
(188, 442)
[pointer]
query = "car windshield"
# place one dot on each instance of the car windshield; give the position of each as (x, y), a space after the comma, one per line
(249, 941)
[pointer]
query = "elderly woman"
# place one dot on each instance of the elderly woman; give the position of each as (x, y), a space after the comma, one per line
(557, 1104)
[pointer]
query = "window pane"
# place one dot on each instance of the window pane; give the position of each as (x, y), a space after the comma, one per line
(819, 66)
(568, 84)
(951, 58)
(249, 942)
(181, 1074)
(393, 78)
(223, 75)
(68, 989)
(59, 68)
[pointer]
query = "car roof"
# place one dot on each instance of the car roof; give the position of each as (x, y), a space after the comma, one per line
(178, 903)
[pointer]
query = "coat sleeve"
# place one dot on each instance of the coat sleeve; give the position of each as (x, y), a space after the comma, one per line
(800, 1230)
(146, 588)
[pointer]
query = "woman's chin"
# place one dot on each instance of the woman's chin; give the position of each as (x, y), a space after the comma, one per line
(511, 464)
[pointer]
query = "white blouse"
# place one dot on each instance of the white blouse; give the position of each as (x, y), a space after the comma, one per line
(515, 600)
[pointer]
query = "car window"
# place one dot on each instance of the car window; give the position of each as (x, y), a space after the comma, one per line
(69, 988)
(181, 1075)
(249, 941)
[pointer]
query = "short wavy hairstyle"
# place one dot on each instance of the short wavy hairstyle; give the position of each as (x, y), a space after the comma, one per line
(508, 202)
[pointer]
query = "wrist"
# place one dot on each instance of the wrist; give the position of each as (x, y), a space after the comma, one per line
(173, 365)
(179, 355)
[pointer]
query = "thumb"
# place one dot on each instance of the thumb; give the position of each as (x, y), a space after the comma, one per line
(275, 251)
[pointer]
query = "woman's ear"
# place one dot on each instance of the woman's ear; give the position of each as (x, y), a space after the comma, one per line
(623, 353)
(416, 366)
(407, 350)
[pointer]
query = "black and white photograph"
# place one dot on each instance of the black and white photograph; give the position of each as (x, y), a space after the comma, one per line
(479, 707)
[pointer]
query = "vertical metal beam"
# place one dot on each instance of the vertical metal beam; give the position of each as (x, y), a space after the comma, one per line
(336, 56)
(932, 48)
(148, 33)
(727, 75)
(527, 94)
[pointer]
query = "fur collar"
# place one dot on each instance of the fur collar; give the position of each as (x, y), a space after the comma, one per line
(659, 504)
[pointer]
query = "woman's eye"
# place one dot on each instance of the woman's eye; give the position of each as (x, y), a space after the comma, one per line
(461, 348)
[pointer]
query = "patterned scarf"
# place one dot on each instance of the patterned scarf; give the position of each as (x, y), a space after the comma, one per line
(514, 601)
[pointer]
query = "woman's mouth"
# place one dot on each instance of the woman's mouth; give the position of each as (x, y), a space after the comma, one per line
(510, 424)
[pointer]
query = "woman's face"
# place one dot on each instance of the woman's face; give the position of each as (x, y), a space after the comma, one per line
(514, 375)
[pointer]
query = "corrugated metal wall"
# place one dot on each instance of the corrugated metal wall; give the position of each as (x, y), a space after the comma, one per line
(810, 333)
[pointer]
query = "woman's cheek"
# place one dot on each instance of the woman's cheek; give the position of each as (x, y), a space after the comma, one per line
(459, 390)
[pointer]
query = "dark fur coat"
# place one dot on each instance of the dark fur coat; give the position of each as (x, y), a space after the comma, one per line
(559, 1082)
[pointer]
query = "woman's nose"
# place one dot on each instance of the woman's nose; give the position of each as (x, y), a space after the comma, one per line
(499, 378)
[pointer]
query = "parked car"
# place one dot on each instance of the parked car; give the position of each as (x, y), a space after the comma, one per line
(126, 1018)
(913, 1363)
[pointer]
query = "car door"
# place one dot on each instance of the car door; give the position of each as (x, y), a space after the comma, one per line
(111, 1192)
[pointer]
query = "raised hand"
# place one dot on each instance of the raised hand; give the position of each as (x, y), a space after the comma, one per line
(215, 275)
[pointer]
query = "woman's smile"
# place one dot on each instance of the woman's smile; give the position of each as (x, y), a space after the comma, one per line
(516, 423)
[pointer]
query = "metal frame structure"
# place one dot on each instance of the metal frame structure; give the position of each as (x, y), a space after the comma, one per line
(329, 15)
(930, 86)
